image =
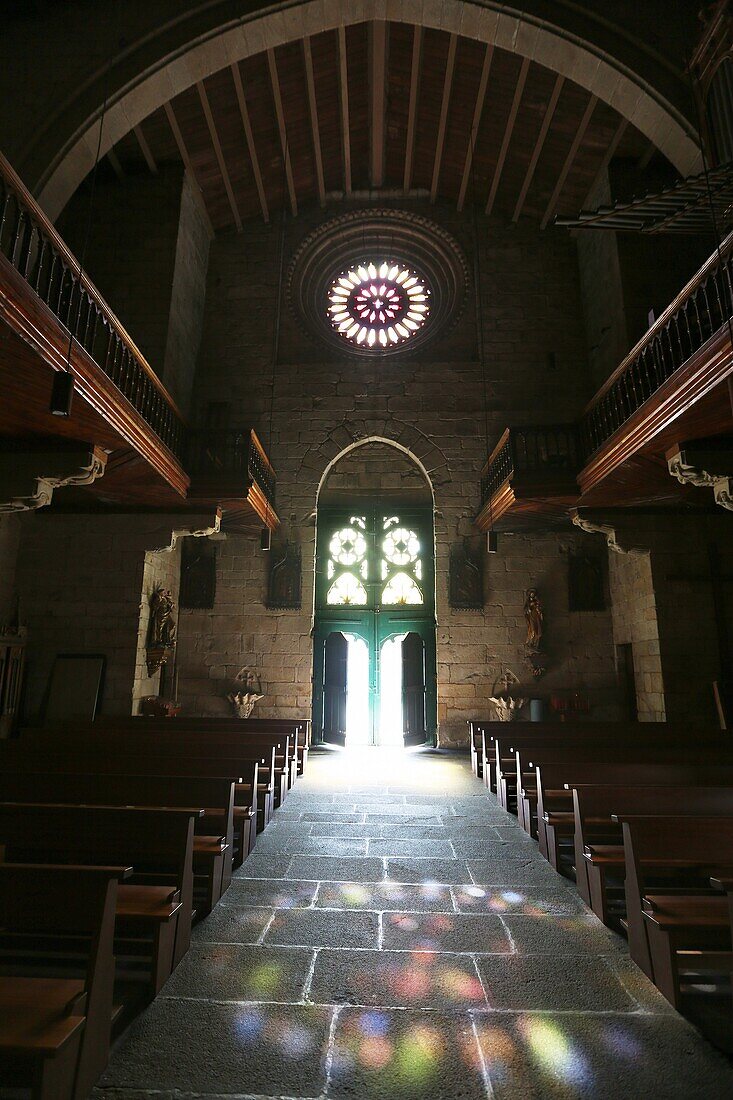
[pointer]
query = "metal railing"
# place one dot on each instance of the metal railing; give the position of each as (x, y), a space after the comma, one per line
(230, 451)
(696, 314)
(542, 449)
(32, 246)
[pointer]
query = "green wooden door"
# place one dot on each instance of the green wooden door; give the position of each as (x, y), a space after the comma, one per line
(375, 583)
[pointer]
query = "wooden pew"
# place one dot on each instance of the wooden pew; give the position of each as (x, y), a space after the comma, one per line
(555, 782)
(599, 853)
(156, 902)
(613, 754)
(666, 860)
(214, 837)
(54, 1031)
(250, 795)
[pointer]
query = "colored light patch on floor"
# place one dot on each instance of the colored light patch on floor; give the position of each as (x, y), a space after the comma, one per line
(275, 894)
(398, 979)
(574, 1056)
(525, 901)
(230, 972)
(379, 896)
(388, 1055)
(445, 932)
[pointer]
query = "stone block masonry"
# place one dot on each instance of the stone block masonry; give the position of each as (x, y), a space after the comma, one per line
(424, 412)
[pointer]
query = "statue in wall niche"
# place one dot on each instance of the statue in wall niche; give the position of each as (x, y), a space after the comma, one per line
(284, 579)
(534, 618)
(162, 627)
(466, 583)
(161, 630)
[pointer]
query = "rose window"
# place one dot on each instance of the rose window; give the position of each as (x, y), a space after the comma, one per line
(378, 305)
(401, 546)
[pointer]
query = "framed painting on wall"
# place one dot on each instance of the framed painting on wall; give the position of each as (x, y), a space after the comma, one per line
(74, 687)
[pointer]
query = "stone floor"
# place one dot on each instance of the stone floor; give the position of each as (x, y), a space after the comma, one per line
(396, 935)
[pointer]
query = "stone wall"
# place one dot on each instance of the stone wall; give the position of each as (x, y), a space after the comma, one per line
(84, 582)
(10, 528)
(664, 604)
(635, 623)
(430, 408)
(188, 295)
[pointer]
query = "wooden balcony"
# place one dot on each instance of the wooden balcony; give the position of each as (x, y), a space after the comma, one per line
(229, 468)
(532, 474)
(673, 385)
(51, 314)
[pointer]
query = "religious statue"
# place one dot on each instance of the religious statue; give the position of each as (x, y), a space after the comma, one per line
(534, 617)
(162, 629)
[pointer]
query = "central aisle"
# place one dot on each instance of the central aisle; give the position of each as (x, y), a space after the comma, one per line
(396, 935)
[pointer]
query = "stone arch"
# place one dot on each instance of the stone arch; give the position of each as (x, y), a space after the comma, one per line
(524, 34)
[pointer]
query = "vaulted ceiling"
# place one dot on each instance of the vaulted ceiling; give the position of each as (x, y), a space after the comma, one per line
(384, 107)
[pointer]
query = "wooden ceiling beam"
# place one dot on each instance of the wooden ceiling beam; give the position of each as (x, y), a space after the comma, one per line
(344, 95)
(508, 131)
(608, 156)
(149, 158)
(183, 151)
(538, 145)
(378, 59)
(249, 137)
(476, 122)
(280, 115)
(417, 37)
(572, 153)
(440, 143)
(315, 129)
(645, 159)
(219, 154)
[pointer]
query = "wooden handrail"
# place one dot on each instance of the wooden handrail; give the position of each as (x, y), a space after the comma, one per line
(34, 249)
(726, 248)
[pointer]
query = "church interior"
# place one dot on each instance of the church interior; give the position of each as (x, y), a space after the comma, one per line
(366, 550)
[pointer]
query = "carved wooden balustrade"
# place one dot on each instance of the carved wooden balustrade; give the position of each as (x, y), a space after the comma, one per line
(230, 464)
(531, 470)
(685, 354)
(31, 250)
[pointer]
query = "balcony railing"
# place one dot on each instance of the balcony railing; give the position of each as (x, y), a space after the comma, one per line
(697, 313)
(29, 242)
(235, 453)
(543, 451)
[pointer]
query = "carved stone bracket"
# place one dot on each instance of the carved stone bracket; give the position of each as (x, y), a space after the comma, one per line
(608, 532)
(201, 526)
(721, 485)
(88, 465)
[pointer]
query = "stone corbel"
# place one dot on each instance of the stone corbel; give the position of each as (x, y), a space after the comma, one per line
(201, 526)
(608, 532)
(721, 485)
(89, 464)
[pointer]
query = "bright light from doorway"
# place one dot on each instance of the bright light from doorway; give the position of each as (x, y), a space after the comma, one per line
(357, 692)
(390, 693)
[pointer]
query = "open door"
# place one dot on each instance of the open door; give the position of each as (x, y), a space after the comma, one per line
(413, 689)
(335, 679)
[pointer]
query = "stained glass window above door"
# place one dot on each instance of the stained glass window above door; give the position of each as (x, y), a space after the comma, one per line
(372, 560)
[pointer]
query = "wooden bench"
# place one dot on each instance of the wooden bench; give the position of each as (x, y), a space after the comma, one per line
(55, 1031)
(155, 908)
(213, 842)
(671, 858)
(599, 853)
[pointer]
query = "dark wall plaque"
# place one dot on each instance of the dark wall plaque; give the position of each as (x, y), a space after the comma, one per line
(284, 579)
(198, 574)
(466, 582)
(586, 582)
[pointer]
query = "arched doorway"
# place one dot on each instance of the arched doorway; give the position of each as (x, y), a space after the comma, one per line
(374, 671)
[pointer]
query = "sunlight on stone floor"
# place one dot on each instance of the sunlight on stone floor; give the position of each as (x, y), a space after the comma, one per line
(396, 935)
